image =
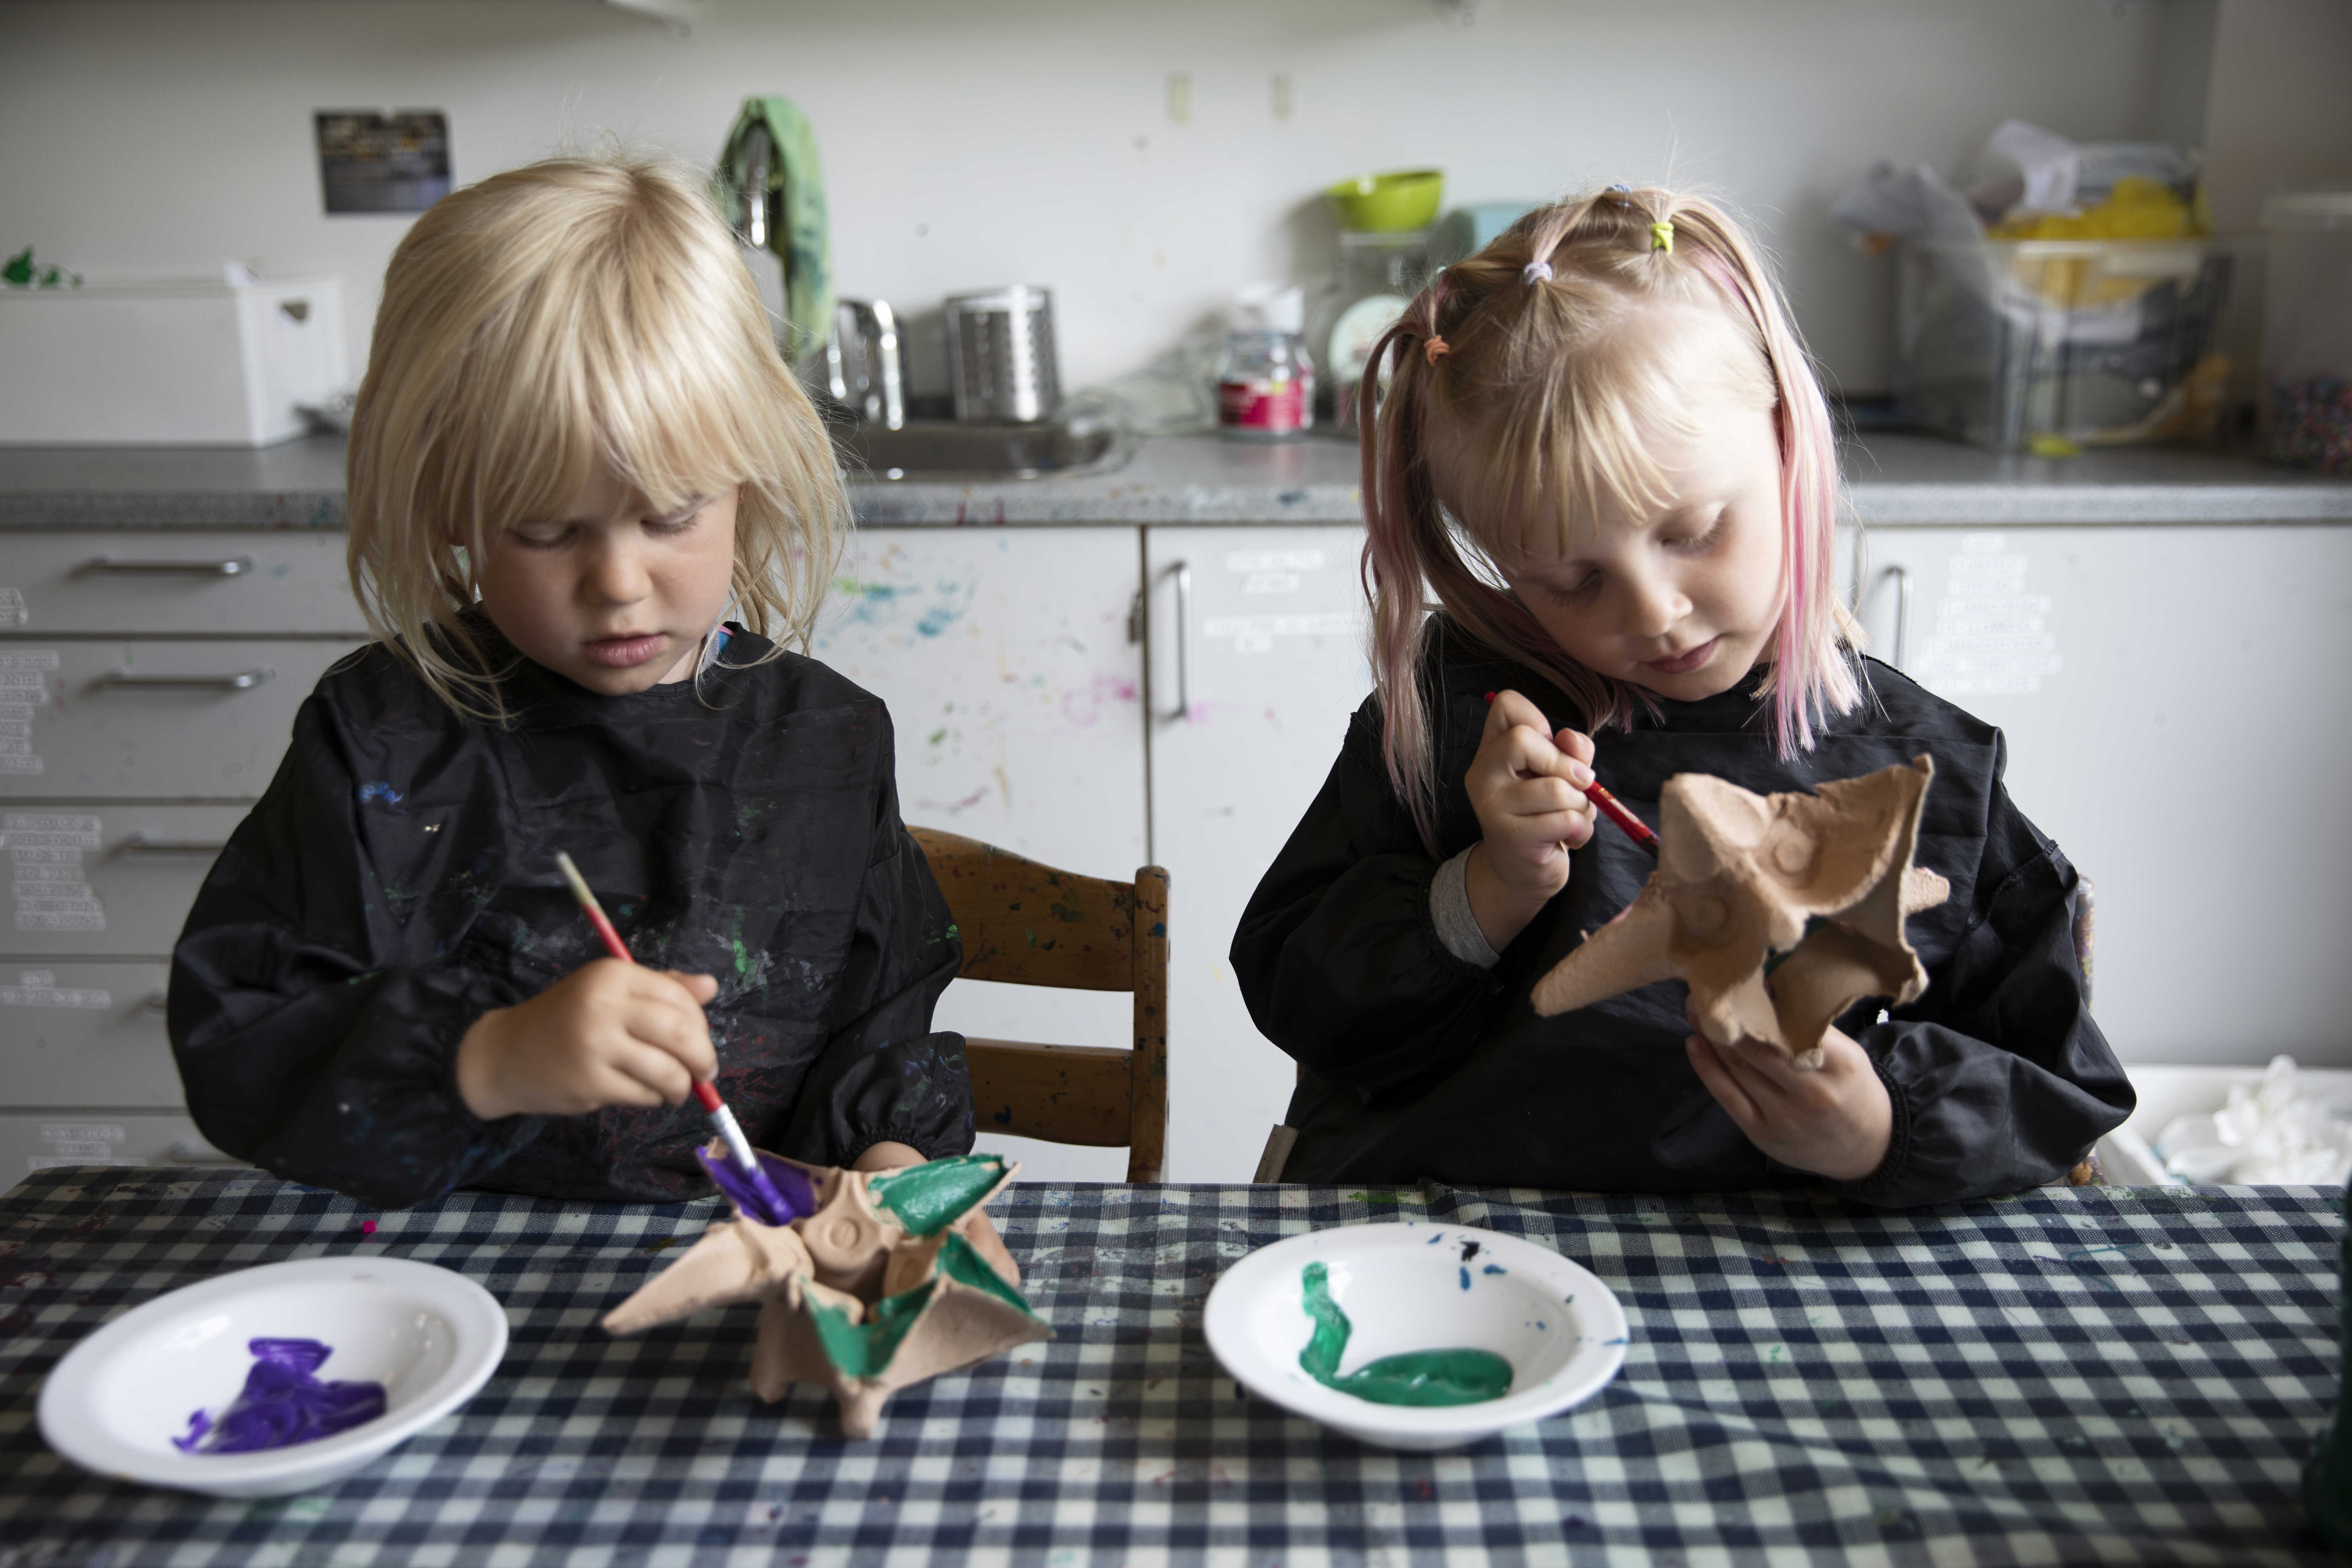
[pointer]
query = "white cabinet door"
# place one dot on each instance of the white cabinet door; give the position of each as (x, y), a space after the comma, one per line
(1257, 660)
(1014, 688)
(2178, 720)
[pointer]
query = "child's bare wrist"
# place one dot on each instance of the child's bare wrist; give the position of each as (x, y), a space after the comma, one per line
(473, 1071)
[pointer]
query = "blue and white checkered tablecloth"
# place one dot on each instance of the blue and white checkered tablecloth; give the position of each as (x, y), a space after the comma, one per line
(2087, 1375)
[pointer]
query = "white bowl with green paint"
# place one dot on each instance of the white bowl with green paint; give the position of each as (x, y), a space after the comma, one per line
(1404, 1290)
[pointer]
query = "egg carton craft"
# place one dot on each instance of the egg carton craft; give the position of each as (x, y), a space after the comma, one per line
(872, 1282)
(1810, 890)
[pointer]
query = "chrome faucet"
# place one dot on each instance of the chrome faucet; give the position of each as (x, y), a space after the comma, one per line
(864, 364)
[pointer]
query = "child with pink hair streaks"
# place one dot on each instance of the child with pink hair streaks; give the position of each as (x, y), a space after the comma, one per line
(1603, 455)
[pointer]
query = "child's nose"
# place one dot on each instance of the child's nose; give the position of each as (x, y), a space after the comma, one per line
(616, 575)
(1659, 604)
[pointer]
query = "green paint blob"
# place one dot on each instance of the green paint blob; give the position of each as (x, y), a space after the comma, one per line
(928, 1198)
(864, 1350)
(1416, 1377)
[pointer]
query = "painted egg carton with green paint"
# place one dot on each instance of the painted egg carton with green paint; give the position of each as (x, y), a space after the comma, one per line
(882, 1280)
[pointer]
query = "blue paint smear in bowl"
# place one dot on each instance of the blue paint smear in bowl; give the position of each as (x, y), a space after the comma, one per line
(283, 1404)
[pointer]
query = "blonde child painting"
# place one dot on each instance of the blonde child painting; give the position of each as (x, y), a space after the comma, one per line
(1605, 457)
(590, 510)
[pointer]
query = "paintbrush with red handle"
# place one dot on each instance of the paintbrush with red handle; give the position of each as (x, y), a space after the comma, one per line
(732, 1130)
(1609, 806)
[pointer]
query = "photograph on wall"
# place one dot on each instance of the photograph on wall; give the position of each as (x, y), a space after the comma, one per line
(372, 162)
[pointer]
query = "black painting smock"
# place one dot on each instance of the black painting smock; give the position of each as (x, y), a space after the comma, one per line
(397, 881)
(1420, 1064)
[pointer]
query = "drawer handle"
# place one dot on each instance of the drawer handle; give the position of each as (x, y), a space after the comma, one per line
(157, 1001)
(142, 844)
(234, 566)
(243, 680)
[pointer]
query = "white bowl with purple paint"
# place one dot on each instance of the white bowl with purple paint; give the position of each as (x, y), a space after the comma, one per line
(121, 1402)
(1405, 1291)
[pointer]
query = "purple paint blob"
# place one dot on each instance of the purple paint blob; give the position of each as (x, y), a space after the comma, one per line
(282, 1403)
(790, 1187)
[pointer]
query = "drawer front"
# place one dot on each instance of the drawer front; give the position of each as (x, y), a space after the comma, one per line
(157, 584)
(40, 1142)
(88, 879)
(85, 1033)
(149, 720)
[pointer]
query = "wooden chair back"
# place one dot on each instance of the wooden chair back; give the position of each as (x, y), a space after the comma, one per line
(1030, 924)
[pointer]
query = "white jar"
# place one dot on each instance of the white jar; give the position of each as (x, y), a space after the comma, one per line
(1266, 378)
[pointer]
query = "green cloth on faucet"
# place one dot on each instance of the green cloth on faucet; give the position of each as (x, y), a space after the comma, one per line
(805, 238)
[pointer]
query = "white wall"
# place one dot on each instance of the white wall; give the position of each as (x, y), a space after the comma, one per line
(2279, 113)
(970, 143)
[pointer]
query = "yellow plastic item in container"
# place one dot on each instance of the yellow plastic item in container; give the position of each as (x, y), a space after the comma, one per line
(2137, 208)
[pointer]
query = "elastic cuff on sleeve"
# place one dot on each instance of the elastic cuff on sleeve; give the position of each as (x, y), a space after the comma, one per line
(1873, 1187)
(1449, 913)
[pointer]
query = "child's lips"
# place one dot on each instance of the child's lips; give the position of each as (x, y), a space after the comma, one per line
(1684, 663)
(625, 652)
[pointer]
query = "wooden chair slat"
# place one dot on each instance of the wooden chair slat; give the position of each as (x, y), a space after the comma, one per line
(1030, 924)
(1063, 1094)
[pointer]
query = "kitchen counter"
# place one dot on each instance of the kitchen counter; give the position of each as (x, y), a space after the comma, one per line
(1895, 480)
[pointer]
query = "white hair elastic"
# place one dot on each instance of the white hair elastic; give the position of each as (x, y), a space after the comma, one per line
(1536, 272)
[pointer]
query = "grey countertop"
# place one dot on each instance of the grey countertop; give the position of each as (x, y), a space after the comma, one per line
(1896, 481)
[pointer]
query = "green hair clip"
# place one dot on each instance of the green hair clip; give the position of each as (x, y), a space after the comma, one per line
(1661, 237)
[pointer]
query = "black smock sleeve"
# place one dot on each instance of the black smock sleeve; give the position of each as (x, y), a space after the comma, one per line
(884, 1074)
(311, 1039)
(2000, 1079)
(1336, 954)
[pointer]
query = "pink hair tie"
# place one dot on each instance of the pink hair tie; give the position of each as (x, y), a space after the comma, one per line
(1536, 272)
(1435, 349)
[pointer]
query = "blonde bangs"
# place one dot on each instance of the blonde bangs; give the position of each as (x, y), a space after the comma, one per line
(1532, 472)
(570, 316)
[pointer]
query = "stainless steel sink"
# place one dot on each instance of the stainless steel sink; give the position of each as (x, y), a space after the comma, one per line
(941, 449)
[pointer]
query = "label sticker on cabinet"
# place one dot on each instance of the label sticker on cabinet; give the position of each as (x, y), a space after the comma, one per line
(1255, 634)
(50, 883)
(1991, 636)
(1245, 560)
(40, 988)
(23, 688)
(12, 609)
(80, 1143)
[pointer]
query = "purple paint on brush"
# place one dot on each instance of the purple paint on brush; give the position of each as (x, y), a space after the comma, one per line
(791, 1185)
(282, 1403)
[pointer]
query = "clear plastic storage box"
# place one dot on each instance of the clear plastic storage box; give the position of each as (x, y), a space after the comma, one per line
(2307, 331)
(2005, 343)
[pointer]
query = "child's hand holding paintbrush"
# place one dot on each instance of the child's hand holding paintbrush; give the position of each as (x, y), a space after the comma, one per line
(614, 1033)
(610, 1033)
(1533, 789)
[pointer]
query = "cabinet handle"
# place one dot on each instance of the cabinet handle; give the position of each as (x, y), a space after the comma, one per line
(234, 566)
(1183, 640)
(157, 1001)
(1901, 577)
(142, 844)
(243, 680)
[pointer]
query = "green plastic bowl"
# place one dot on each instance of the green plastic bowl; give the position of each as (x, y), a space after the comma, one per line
(1386, 204)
